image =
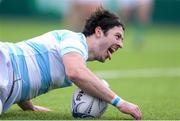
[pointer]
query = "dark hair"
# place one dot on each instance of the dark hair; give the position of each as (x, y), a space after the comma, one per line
(103, 19)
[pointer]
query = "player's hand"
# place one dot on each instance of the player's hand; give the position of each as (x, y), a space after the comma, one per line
(28, 105)
(131, 109)
(41, 109)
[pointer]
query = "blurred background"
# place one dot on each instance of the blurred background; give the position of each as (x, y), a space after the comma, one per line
(45, 15)
(146, 71)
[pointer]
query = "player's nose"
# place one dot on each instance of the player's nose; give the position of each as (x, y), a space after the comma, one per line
(120, 45)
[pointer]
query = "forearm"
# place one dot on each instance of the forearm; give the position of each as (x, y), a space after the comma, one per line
(28, 105)
(91, 84)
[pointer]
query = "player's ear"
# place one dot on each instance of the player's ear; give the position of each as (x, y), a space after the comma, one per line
(98, 31)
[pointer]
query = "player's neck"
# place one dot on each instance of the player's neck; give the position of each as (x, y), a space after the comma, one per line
(91, 47)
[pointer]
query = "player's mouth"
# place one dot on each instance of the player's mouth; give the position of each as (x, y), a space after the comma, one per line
(109, 52)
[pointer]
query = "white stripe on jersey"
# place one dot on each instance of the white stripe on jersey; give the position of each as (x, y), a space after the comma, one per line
(64, 45)
(57, 70)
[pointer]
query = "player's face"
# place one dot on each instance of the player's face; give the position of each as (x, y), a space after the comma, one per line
(110, 42)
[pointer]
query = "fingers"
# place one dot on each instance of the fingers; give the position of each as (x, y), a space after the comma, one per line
(41, 109)
(139, 114)
(136, 113)
(131, 109)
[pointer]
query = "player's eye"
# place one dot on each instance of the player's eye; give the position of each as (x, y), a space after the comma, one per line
(118, 37)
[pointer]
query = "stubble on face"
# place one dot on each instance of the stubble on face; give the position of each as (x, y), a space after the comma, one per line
(114, 41)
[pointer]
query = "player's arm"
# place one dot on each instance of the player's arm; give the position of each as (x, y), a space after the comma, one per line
(28, 105)
(77, 71)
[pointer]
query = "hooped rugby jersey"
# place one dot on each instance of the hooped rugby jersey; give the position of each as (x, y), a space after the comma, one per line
(38, 64)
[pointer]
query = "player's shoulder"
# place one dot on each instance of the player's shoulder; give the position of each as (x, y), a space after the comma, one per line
(64, 32)
(67, 34)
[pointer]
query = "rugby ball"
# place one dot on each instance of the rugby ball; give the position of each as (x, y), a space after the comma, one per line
(86, 106)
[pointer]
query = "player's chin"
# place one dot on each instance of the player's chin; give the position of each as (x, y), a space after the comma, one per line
(103, 59)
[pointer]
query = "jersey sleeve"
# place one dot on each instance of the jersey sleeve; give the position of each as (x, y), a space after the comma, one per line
(74, 44)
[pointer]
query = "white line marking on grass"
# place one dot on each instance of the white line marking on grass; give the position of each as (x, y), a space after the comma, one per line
(139, 73)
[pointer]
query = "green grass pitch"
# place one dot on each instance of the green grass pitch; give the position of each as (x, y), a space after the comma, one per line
(155, 88)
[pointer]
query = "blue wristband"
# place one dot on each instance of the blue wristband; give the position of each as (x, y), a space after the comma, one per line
(116, 101)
